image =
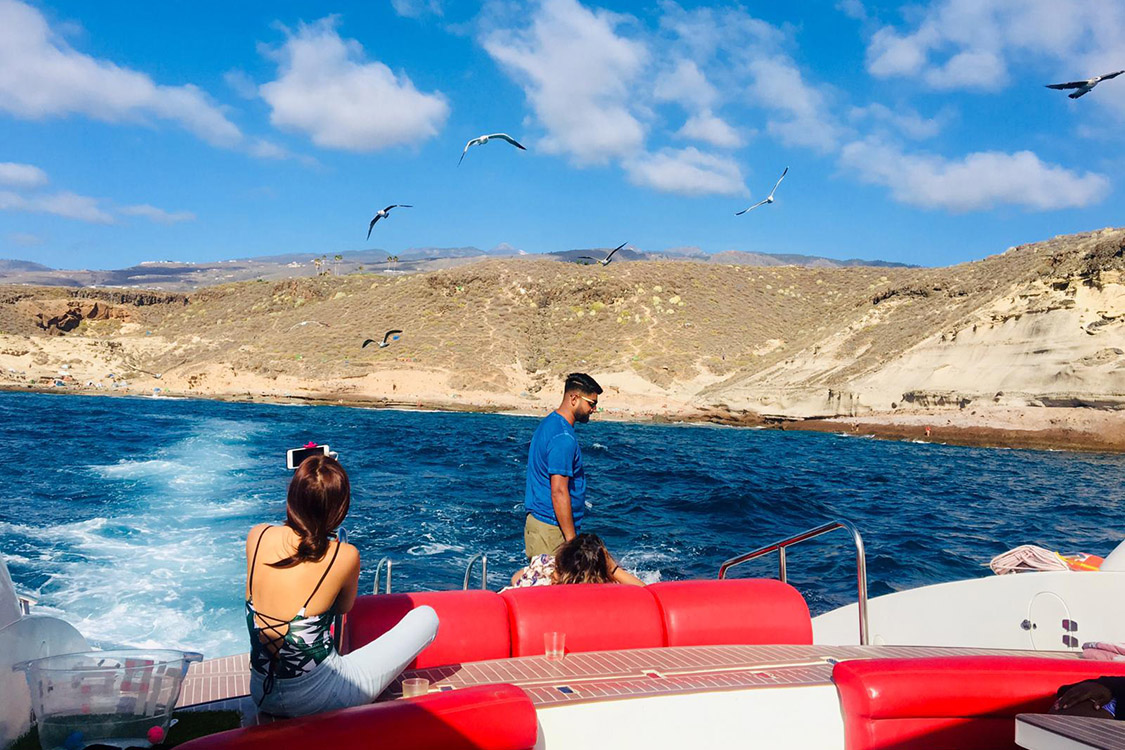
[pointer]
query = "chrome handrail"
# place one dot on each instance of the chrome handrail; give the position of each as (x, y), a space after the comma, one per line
(483, 570)
(779, 547)
(378, 569)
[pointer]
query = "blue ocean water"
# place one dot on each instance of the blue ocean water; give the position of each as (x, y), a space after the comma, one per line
(127, 516)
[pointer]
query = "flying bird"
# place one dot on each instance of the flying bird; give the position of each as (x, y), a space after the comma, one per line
(384, 214)
(768, 198)
(481, 140)
(1084, 87)
(388, 337)
(604, 261)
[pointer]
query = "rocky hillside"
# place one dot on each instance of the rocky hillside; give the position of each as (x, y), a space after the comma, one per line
(1038, 324)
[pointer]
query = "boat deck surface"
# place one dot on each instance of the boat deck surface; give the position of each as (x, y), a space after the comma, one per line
(603, 675)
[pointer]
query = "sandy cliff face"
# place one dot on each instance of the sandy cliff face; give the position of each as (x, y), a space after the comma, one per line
(1038, 326)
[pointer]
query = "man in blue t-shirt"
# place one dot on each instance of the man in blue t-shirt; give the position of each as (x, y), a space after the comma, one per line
(555, 496)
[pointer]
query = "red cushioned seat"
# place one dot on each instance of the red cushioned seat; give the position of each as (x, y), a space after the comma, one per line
(472, 625)
(595, 617)
(490, 717)
(940, 703)
(732, 611)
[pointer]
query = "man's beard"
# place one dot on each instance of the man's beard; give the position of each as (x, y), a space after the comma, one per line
(583, 418)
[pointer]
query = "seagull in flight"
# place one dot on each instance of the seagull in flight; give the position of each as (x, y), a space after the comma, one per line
(481, 140)
(768, 198)
(384, 214)
(606, 260)
(388, 337)
(1084, 87)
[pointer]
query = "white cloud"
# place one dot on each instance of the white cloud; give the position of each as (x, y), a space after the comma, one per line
(685, 83)
(853, 9)
(708, 128)
(327, 89)
(902, 119)
(22, 175)
(42, 76)
(686, 172)
(802, 111)
(578, 75)
(25, 239)
(65, 204)
(972, 44)
(417, 8)
(159, 215)
(977, 181)
(240, 82)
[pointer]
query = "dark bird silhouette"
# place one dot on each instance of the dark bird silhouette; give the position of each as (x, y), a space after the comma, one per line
(382, 215)
(768, 198)
(604, 261)
(388, 337)
(1084, 87)
(481, 140)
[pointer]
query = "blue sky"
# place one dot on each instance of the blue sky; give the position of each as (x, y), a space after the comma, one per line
(202, 131)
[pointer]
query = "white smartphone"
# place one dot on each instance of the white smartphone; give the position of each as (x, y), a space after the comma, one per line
(295, 456)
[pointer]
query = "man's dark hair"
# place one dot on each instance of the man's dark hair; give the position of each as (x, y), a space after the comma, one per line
(581, 382)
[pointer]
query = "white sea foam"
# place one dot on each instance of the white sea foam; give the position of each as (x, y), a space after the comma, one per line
(433, 548)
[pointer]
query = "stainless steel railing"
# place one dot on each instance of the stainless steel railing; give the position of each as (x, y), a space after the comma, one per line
(386, 561)
(483, 570)
(780, 547)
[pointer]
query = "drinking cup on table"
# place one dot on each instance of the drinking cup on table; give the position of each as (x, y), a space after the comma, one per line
(415, 686)
(554, 645)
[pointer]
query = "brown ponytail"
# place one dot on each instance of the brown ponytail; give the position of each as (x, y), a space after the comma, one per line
(318, 501)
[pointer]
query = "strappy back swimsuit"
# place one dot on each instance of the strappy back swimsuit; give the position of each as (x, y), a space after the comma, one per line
(284, 649)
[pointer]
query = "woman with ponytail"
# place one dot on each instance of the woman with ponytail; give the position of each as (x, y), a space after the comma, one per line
(303, 578)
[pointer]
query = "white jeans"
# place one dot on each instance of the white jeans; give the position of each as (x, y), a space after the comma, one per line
(354, 679)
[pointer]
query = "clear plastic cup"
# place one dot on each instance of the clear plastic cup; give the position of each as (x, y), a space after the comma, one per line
(554, 645)
(415, 686)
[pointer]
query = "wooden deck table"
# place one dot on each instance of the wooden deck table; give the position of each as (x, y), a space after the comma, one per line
(1053, 732)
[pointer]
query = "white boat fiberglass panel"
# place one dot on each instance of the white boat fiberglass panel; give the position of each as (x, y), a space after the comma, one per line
(801, 718)
(1043, 611)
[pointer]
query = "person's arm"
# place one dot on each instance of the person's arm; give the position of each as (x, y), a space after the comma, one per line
(1098, 691)
(620, 575)
(560, 501)
(345, 600)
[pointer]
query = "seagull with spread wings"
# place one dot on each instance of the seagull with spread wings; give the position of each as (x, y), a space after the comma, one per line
(1083, 87)
(384, 214)
(606, 260)
(388, 337)
(768, 198)
(481, 140)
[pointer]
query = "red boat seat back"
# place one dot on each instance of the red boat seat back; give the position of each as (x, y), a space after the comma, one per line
(472, 625)
(732, 611)
(939, 703)
(488, 717)
(595, 617)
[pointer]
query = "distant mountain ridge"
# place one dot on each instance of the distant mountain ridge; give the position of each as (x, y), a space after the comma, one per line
(180, 276)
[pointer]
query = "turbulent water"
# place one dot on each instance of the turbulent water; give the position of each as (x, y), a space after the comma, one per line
(127, 516)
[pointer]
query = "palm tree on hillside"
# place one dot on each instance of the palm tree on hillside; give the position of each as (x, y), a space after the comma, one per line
(337, 258)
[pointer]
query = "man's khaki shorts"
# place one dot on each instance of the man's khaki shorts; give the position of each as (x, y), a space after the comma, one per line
(540, 538)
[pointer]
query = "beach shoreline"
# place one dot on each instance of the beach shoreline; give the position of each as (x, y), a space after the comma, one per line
(1083, 430)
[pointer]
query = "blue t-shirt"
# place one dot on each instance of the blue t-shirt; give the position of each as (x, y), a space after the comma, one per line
(554, 450)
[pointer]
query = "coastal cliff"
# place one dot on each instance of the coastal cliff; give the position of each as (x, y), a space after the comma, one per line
(1028, 340)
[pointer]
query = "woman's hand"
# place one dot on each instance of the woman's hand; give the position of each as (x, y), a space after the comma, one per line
(1090, 690)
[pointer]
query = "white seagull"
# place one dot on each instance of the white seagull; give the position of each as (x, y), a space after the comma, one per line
(768, 198)
(481, 140)
(604, 261)
(1084, 87)
(384, 214)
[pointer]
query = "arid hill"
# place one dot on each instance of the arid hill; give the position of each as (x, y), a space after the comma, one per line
(1039, 325)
